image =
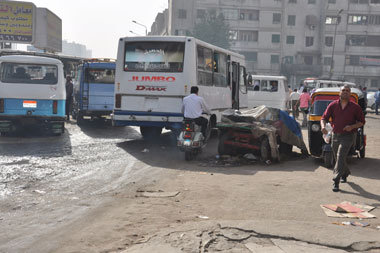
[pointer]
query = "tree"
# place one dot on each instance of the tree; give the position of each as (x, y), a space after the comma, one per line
(214, 30)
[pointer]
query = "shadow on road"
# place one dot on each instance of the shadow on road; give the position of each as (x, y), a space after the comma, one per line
(164, 153)
(360, 191)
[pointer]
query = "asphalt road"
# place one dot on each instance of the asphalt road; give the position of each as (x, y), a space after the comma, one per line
(48, 182)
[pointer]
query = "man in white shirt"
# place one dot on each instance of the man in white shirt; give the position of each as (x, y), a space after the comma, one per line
(295, 101)
(193, 106)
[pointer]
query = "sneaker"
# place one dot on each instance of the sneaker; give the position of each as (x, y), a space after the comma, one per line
(343, 179)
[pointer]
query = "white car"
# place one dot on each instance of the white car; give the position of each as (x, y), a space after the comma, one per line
(371, 100)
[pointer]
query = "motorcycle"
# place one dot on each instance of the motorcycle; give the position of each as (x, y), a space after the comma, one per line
(191, 139)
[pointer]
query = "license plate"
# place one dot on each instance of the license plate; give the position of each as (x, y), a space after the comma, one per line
(29, 104)
(187, 142)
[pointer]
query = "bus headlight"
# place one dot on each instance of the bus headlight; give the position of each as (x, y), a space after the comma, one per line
(315, 127)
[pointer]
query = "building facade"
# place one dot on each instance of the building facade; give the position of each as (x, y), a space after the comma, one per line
(296, 38)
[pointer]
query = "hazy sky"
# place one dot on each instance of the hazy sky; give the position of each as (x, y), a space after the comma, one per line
(99, 24)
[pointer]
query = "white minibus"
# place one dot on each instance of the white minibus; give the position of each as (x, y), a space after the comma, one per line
(271, 91)
(155, 73)
(32, 92)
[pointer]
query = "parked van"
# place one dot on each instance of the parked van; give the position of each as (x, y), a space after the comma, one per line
(94, 89)
(32, 92)
(312, 84)
(271, 91)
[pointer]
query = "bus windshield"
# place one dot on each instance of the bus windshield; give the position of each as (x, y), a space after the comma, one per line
(29, 73)
(154, 56)
(100, 76)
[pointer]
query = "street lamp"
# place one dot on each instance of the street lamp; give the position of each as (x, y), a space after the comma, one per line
(134, 33)
(333, 49)
(146, 29)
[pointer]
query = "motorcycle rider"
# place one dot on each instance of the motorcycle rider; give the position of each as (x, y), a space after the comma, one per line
(193, 106)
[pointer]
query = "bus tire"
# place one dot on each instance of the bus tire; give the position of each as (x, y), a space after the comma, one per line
(150, 132)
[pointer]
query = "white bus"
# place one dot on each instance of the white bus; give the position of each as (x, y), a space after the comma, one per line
(271, 91)
(155, 73)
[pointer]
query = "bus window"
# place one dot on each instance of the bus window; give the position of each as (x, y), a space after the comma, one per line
(205, 62)
(242, 80)
(220, 69)
(265, 85)
(29, 73)
(154, 56)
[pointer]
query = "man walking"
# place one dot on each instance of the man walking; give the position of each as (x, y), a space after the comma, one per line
(295, 101)
(347, 117)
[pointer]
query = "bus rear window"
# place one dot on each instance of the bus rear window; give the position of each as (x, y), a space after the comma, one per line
(154, 56)
(106, 76)
(29, 73)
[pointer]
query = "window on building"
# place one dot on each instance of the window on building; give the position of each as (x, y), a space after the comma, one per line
(231, 14)
(308, 60)
(332, 1)
(288, 60)
(275, 38)
(201, 13)
(362, 40)
(291, 20)
(250, 56)
(352, 60)
(327, 61)
(332, 20)
(290, 39)
(249, 15)
(357, 19)
(374, 20)
(309, 41)
(233, 35)
(248, 35)
(311, 1)
(276, 18)
(329, 41)
(375, 1)
(358, 1)
(293, 1)
(182, 14)
(374, 83)
(274, 59)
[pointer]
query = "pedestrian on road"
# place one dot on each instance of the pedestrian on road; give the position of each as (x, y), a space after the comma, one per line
(295, 102)
(305, 100)
(377, 101)
(347, 117)
(69, 95)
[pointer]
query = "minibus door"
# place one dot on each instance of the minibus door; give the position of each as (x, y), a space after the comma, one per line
(235, 85)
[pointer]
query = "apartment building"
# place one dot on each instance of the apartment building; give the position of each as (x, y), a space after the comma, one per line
(296, 38)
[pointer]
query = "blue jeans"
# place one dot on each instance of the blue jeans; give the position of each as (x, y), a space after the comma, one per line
(341, 145)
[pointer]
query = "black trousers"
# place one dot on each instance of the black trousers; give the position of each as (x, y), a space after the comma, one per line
(203, 123)
(68, 106)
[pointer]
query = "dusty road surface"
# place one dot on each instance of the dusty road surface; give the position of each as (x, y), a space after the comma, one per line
(104, 189)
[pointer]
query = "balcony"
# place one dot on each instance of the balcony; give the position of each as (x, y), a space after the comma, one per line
(301, 69)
